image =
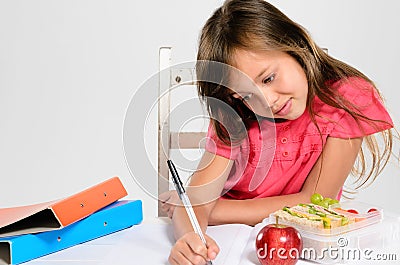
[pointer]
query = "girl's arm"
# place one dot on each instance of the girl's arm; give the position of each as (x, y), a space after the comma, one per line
(205, 188)
(326, 177)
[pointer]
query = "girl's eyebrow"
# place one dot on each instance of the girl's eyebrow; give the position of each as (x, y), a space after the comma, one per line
(262, 72)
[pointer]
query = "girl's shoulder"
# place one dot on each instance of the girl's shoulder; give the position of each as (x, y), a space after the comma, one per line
(366, 113)
(355, 89)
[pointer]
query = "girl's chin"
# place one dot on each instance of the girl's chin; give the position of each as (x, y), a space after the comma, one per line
(293, 115)
(290, 116)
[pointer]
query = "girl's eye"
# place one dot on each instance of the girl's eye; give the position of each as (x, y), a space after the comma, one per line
(247, 97)
(269, 79)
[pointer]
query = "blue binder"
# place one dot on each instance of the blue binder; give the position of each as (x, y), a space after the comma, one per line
(117, 216)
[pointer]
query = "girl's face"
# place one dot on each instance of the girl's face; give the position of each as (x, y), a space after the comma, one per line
(276, 84)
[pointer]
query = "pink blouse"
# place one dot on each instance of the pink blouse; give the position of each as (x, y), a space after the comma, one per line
(277, 159)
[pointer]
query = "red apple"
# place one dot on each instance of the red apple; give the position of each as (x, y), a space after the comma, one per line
(278, 244)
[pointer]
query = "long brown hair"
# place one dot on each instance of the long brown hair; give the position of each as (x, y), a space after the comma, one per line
(258, 25)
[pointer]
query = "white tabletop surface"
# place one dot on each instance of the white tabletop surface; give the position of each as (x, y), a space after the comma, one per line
(151, 241)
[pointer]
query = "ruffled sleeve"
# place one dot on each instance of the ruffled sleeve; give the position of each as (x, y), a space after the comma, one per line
(366, 101)
(216, 146)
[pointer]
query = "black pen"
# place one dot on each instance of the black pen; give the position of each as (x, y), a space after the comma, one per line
(186, 202)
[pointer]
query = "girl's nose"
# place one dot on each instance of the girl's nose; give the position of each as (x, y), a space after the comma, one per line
(272, 98)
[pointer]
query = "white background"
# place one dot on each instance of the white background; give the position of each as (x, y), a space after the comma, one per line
(68, 70)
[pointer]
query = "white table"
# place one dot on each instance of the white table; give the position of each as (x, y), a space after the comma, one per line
(151, 241)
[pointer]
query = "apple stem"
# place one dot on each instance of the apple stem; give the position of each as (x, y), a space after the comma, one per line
(276, 218)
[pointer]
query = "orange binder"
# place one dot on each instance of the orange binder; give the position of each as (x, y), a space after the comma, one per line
(60, 213)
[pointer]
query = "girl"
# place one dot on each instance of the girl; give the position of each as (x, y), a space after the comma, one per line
(316, 111)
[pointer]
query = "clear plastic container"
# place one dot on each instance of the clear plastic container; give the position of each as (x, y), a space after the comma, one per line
(352, 242)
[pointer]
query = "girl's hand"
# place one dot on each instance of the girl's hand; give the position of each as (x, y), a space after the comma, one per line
(169, 200)
(189, 249)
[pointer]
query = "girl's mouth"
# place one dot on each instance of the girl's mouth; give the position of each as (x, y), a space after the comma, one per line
(285, 109)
